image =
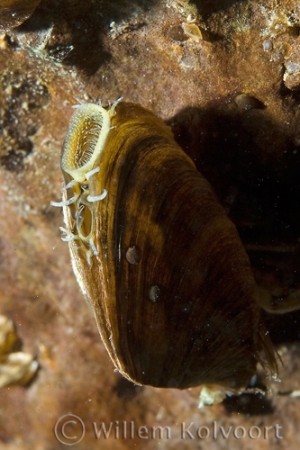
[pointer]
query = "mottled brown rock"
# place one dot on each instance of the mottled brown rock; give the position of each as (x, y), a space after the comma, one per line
(292, 66)
(15, 12)
(95, 50)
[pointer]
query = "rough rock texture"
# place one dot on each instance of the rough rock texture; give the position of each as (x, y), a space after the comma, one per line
(232, 99)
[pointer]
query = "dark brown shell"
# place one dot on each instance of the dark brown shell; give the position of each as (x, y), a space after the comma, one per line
(168, 278)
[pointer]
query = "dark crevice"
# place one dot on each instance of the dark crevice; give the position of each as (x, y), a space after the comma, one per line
(250, 404)
(126, 389)
(208, 7)
(253, 166)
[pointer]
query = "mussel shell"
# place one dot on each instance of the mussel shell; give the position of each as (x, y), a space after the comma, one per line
(181, 310)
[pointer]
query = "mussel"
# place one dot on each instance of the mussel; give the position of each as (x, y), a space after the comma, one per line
(154, 252)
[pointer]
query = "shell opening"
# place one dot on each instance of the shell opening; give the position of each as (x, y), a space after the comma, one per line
(81, 159)
(85, 141)
(85, 223)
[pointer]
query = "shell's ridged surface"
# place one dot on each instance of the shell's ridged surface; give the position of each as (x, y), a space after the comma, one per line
(184, 311)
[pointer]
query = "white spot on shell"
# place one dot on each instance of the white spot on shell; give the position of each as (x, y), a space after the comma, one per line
(267, 45)
(132, 255)
(154, 293)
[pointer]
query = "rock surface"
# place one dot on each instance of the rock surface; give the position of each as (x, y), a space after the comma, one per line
(232, 99)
